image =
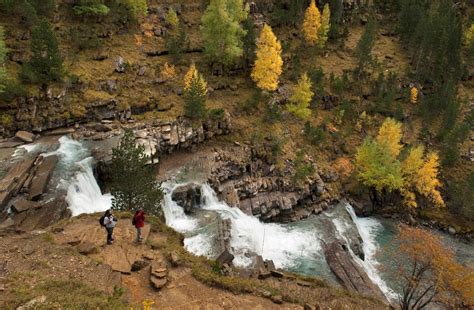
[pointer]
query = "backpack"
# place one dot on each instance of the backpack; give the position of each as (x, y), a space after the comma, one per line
(101, 220)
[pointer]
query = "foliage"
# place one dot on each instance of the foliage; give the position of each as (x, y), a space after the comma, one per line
(217, 114)
(414, 95)
(462, 197)
(303, 169)
(27, 12)
(195, 94)
(91, 8)
(314, 135)
(168, 72)
(288, 12)
(377, 168)
(253, 102)
(177, 41)
(222, 32)
(133, 181)
(3, 57)
(272, 113)
(301, 98)
(380, 167)
(390, 134)
(325, 26)
(249, 41)
(172, 18)
(428, 272)
(137, 8)
(312, 24)
(364, 46)
(385, 90)
(337, 10)
(45, 64)
(268, 63)
(43, 7)
(192, 71)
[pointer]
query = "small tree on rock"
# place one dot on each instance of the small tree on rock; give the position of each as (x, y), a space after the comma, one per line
(268, 63)
(133, 180)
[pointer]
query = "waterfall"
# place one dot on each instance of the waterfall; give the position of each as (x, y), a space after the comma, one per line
(368, 228)
(284, 244)
(174, 214)
(83, 193)
(75, 175)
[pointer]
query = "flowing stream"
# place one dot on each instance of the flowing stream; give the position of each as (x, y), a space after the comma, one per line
(294, 247)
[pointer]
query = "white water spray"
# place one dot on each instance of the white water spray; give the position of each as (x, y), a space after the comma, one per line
(282, 243)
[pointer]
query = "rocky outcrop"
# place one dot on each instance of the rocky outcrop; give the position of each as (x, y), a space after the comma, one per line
(349, 272)
(187, 196)
(245, 179)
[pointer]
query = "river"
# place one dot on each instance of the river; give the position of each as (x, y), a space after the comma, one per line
(294, 247)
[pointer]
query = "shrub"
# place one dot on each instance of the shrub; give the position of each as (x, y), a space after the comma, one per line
(314, 135)
(217, 114)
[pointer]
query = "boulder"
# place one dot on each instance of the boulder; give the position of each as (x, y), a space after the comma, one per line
(139, 265)
(225, 258)
(187, 196)
(42, 176)
(22, 205)
(25, 136)
(86, 248)
(120, 65)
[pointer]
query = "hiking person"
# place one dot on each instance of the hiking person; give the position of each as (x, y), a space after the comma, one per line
(109, 222)
(139, 221)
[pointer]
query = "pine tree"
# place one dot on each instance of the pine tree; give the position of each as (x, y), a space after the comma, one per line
(268, 63)
(43, 7)
(337, 10)
(249, 44)
(325, 26)
(222, 31)
(136, 8)
(133, 181)
(195, 97)
(45, 64)
(390, 134)
(312, 24)
(3, 57)
(288, 12)
(177, 39)
(364, 46)
(301, 98)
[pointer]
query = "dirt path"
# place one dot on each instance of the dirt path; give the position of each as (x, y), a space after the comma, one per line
(181, 291)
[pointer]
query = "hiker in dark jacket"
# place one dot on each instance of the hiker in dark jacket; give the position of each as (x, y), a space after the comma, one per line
(109, 222)
(139, 221)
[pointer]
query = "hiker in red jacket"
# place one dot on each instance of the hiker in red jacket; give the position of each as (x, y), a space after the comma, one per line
(139, 221)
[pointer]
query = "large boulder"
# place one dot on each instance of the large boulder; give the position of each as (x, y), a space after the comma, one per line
(187, 196)
(25, 136)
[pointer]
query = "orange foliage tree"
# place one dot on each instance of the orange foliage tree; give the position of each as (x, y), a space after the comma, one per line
(428, 272)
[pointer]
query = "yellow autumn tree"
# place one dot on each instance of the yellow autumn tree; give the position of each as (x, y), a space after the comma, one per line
(427, 182)
(413, 95)
(192, 72)
(410, 167)
(311, 24)
(469, 35)
(301, 98)
(390, 133)
(268, 62)
(325, 25)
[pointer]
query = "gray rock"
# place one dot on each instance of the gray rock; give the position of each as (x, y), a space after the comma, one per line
(187, 196)
(86, 248)
(120, 65)
(451, 230)
(25, 136)
(142, 70)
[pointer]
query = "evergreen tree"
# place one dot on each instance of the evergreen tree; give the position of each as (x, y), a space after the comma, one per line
(133, 181)
(43, 7)
(249, 44)
(3, 58)
(288, 12)
(325, 26)
(312, 24)
(45, 64)
(91, 8)
(177, 39)
(301, 98)
(364, 47)
(222, 31)
(28, 13)
(172, 18)
(337, 10)
(268, 63)
(195, 97)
